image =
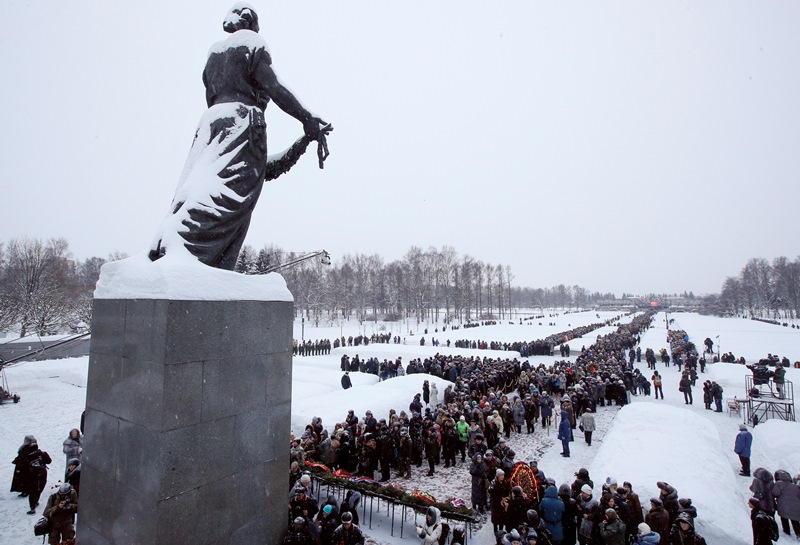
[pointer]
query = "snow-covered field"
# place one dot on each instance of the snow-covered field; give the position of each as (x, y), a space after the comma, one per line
(647, 441)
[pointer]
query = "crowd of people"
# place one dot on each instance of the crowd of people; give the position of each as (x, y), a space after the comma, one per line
(31, 476)
(490, 400)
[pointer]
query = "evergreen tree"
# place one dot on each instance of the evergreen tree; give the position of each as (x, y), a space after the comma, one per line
(262, 262)
(245, 264)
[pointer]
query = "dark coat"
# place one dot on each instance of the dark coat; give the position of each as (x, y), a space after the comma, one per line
(499, 491)
(478, 472)
(612, 533)
(22, 469)
(658, 520)
(764, 527)
(761, 487)
(669, 496)
(56, 513)
(678, 537)
(38, 461)
(787, 495)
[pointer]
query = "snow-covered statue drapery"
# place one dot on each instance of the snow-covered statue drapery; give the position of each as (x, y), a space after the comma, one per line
(227, 165)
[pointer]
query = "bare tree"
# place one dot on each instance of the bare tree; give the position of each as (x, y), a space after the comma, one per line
(37, 284)
(757, 285)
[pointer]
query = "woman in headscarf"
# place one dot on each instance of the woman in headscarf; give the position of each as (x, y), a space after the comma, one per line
(72, 447)
(22, 469)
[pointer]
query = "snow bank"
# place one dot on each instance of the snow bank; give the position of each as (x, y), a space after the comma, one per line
(310, 398)
(650, 443)
(781, 441)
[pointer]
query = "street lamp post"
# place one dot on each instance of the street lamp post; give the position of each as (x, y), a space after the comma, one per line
(302, 329)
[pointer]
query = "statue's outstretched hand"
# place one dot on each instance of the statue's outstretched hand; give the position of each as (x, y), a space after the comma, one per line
(322, 142)
(312, 128)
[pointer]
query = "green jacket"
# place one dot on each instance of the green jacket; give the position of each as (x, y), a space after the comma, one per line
(463, 431)
(612, 533)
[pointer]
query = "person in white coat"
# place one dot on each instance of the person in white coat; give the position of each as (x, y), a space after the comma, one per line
(432, 530)
(587, 425)
(434, 395)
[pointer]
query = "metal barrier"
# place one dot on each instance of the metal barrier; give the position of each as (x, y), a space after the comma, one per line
(339, 490)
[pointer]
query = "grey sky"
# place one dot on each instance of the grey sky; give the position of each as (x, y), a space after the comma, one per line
(639, 146)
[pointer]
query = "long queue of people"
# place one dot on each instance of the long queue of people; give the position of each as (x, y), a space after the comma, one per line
(491, 399)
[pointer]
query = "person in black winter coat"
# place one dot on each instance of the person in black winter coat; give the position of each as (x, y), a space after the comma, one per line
(348, 533)
(38, 460)
(538, 526)
(74, 474)
(327, 522)
(22, 469)
(478, 471)
(669, 498)
(683, 533)
(765, 529)
(299, 533)
(346, 382)
(581, 478)
(761, 487)
(569, 520)
(518, 505)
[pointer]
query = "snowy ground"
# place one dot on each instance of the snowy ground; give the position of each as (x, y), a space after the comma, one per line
(648, 441)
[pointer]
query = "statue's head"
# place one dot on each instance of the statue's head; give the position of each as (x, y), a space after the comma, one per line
(242, 16)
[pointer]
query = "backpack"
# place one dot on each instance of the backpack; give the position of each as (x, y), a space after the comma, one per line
(38, 469)
(773, 528)
(446, 532)
(42, 527)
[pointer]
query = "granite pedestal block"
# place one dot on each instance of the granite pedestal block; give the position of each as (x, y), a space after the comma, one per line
(187, 422)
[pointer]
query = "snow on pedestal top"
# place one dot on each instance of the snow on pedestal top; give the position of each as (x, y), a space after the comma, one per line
(179, 276)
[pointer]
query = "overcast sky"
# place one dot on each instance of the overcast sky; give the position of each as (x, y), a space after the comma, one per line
(621, 146)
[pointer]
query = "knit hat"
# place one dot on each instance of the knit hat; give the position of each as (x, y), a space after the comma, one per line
(742, 426)
(500, 472)
(657, 502)
(64, 489)
(73, 462)
(305, 479)
(347, 517)
(644, 529)
(328, 509)
(755, 502)
(586, 489)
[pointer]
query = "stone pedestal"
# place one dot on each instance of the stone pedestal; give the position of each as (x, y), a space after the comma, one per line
(187, 423)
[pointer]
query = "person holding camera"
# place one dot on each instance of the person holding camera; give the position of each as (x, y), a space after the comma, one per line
(61, 509)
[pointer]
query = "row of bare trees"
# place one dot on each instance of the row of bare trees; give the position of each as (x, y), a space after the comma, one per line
(761, 290)
(43, 290)
(425, 285)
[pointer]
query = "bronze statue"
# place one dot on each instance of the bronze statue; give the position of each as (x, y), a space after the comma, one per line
(228, 165)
